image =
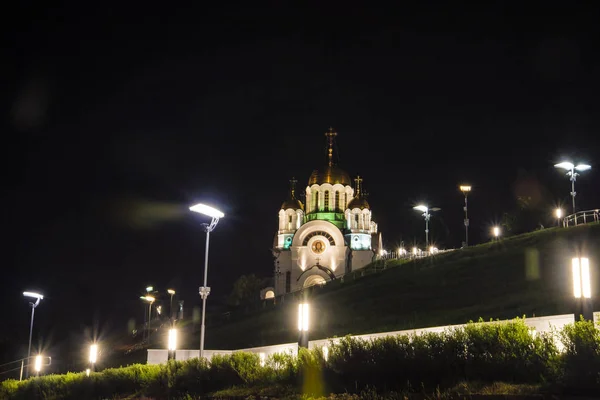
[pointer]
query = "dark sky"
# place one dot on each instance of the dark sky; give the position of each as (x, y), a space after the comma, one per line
(116, 119)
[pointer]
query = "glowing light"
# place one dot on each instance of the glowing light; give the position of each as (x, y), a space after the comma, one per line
(34, 295)
(325, 353)
(303, 317)
(171, 291)
(207, 210)
(93, 353)
(421, 207)
(565, 165)
(415, 251)
(87, 372)
(583, 167)
(262, 358)
(149, 289)
(38, 363)
(585, 278)
(496, 231)
(148, 298)
(558, 213)
(465, 188)
(172, 342)
(159, 309)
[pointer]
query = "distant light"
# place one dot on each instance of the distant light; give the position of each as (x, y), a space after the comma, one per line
(415, 250)
(558, 212)
(421, 207)
(93, 353)
(38, 363)
(325, 353)
(262, 358)
(496, 231)
(565, 165)
(207, 210)
(465, 188)
(87, 372)
(583, 167)
(148, 298)
(170, 291)
(149, 289)
(159, 309)
(581, 278)
(34, 295)
(303, 317)
(172, 342)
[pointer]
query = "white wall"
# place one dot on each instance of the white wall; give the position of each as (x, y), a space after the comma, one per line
(538, 324)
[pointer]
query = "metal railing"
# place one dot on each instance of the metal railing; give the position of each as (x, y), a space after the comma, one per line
(581, 217)
(406, 254)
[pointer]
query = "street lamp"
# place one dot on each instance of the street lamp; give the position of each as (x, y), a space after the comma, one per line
(571, 168)
(172, 343)
(150, 300)
(426, 215)
(93, 355)
(37, 366)
(581, 285)
(38, 297)
(303, 320)
(465, 189)
(204, 290)
(496, 232)
(558, 213)
(172, 293)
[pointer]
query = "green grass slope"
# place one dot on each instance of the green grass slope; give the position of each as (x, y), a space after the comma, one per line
(528, 275)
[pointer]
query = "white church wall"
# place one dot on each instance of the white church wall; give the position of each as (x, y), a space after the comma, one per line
(361, 258)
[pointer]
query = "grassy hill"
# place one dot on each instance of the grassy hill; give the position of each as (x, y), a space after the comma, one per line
(528, 275)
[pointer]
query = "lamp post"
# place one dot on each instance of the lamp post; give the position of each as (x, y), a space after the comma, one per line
(558, 213)
(38, 297)
(571, 168)
(496, 232)
(93, 356)
(426, 215)
(582, 290)
(172, 343)
(204, 290)
(465, 189)
(303, 323)
(172, 293)
(150, 300)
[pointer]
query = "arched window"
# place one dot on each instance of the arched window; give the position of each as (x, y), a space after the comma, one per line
(290, 223)
(316, 200)
(345, 200)
(326, 200)
(355, 221)
(337, 201)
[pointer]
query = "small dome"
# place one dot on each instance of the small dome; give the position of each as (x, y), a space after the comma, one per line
(294, 204)
(358, 202)
(331, 174)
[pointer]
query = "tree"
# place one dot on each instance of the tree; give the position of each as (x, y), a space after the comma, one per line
(246, 289)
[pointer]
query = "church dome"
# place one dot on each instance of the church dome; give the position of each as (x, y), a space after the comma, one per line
(331, 174)
(294, 204)
(358, 202)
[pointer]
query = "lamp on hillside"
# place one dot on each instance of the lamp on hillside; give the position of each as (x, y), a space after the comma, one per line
(204, 290)
(465, 189)
(426, 214)
(38, 297)
(558, 212)
(571, 168)
(582, 290)
(303, 321)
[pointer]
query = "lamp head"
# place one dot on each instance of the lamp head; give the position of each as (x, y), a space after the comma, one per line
(583, 167)
(149, 289)
(465, 188)
(171, 291)
(421, 207)
(34, 295)
(565, 165)
(207, 210)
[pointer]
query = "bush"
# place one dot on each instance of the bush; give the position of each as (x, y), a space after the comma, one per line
(478, 352)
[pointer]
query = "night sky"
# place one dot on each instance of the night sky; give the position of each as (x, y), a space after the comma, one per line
(117, 119)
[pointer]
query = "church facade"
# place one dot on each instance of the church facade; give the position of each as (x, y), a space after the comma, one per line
(328, 236)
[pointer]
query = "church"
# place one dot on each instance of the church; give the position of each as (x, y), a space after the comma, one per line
(328, 236)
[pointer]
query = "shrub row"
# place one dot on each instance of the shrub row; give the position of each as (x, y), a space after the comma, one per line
(477, 352)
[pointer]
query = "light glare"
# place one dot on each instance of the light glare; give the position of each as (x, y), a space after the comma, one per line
(421, 208)
(172, 343)
(303, 317)
(149, 289)
(558, 213)
(38, 363)
(565, 165)
(583, 167)
(93, 353)
(585, 278)
(207, 210)
(170, 291)
(34, 295)
(496, 231)
(465, 188)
